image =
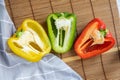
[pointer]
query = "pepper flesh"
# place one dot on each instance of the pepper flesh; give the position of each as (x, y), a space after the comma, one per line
(30, 41)
(61, 31)
(95, 39)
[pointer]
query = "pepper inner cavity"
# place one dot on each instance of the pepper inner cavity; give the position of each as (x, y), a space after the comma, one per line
(29, 41)
(95, 38)
(55, 31)
(63, 26)
(61, 37)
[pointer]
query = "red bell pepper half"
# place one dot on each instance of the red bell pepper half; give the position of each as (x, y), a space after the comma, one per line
(95, 39)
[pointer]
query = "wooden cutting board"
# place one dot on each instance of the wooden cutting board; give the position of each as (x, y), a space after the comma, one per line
(102, 67)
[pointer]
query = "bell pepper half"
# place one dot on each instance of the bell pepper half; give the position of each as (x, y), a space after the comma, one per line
(30, 41)
(95, 39)
(61, 31)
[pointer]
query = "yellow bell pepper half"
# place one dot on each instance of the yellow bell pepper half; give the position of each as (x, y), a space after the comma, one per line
(30, 41)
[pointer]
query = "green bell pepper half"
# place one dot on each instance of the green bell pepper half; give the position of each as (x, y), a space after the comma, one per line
(61, 31)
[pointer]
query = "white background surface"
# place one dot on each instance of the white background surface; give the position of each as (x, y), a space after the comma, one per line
(118, 3)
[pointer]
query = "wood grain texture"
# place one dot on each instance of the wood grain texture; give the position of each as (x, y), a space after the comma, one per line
(102, 67)
(56, 5)
(21, 10)
(41, 12)
(78, 67)
(93, 68)
(116, 21)
(83, 12)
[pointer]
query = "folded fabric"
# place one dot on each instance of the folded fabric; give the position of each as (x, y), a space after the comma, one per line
(13, 67)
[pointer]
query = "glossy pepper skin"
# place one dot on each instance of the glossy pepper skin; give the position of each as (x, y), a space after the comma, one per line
(61, 31)
(30, 41)
(95, 39)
